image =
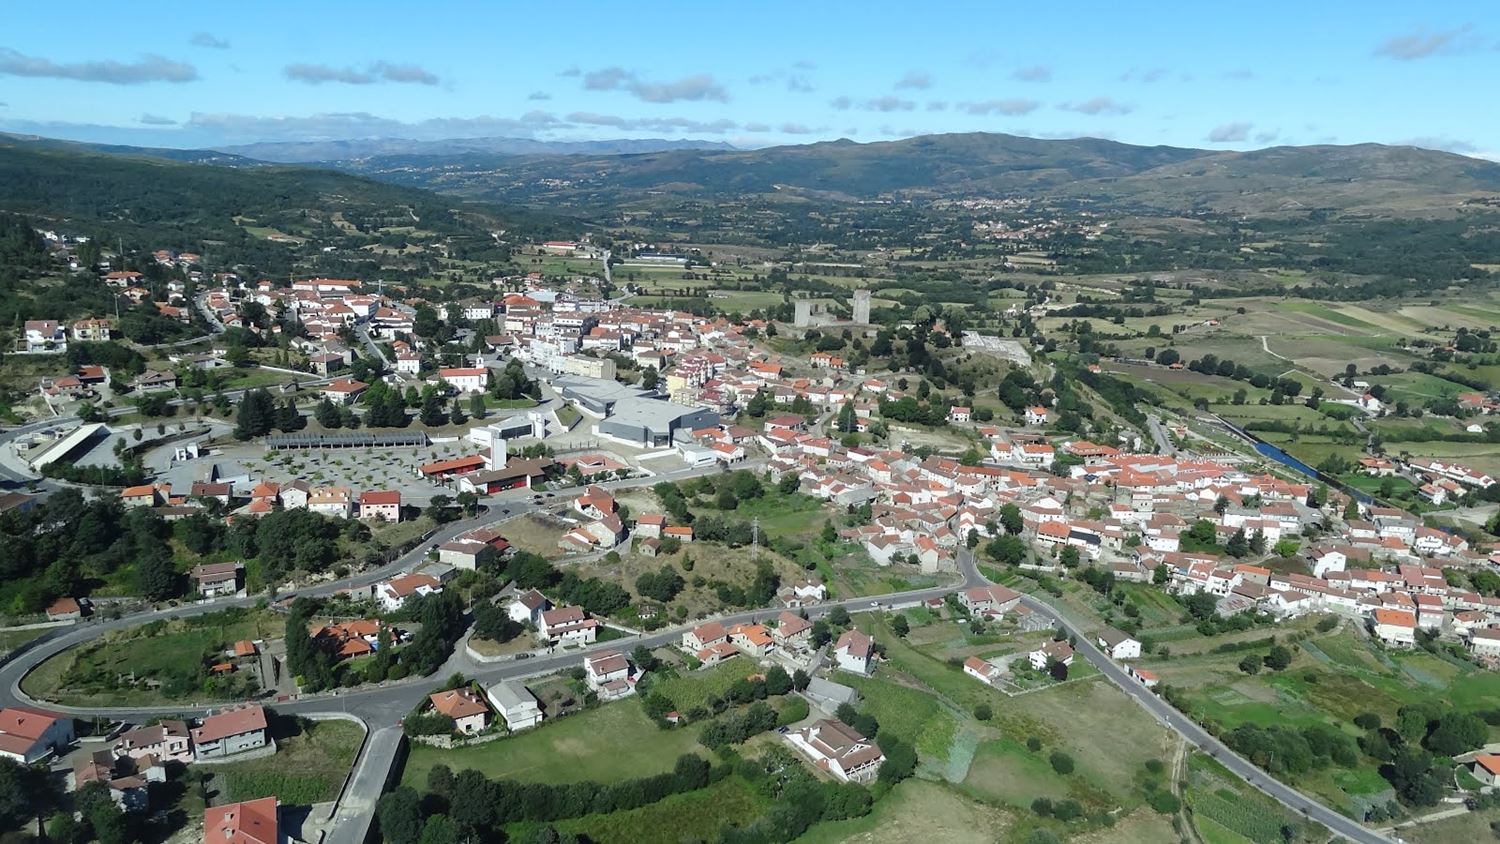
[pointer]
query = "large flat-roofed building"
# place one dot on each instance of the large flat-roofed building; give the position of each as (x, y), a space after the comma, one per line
(653, 421)
(596, 395)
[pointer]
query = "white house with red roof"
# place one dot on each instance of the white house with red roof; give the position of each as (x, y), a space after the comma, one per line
(344, 391)
(393, 593)
(468, 379)
(854, 651)
(31, 735)
(469, 713)
(382, 504)
(567, 626)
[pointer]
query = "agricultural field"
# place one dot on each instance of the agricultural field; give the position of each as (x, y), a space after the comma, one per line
(689, 689)
(1224, 810)
(610, 743)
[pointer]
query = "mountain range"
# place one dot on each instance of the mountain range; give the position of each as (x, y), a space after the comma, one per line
(309, 152)
(583, 177)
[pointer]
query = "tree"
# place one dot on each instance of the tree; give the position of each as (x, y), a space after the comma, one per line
(432, 414)
(256, 415)
(1061, 762)
(649, 378)
(456, 415)
(847, 421)
(900, 760)
(1351, 510)
(1279, 657)
(1010, 519)
(1250, 665)
(327, 414)
(156, 577)
(983, 712)
(477, 408)
(1238, 545)
(778, 682)
(838, 617)
(800, 679)
(399, 815)
(1058, 669)
(1069, 556)
(899, 626)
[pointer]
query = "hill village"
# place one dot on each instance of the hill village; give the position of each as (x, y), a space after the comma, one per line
(654, 392)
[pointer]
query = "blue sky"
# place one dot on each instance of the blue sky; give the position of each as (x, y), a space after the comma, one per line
(1195, 74)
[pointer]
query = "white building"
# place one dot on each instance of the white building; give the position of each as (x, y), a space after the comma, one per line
(516, 704)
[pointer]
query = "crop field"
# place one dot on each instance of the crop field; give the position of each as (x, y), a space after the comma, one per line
(692, 689)
(692, 816)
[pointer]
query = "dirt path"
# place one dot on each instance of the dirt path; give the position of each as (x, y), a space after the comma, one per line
(1179, 772)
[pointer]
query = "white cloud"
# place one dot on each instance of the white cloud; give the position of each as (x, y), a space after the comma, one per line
(1035, 73)
(1422, 44)
(149, 68)
(914, 80)
(1011, 106)
(697, 87)
(1098, 106)
(213, 42)
(1229, 133)
(157, 120)
(317, 74)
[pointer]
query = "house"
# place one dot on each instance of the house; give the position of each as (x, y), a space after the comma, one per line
(466, 708)
(43, 335)
(839, 749)
(65, 609)
(959, 414)
(802, 593)
(344, 391)
(704, 636)
(251, 822)
(1485, 643)
(154, 381)
(144, 495)
(595, 503)
(127, 787)
(985, 672)
(167, 741)
(608, 675)
(567, 626)
(1149, 679)
(752, 639)
(383, 504)
(1044, 656)
(854, 651)
(1118, 644)
(231, 731)
(334, 501)
(215, 579)
(792, 631)
(91, 330)
(392, 594)
(989, 599)
(1036, 415)
(466, 379)
(1394, 628)
(650, 525)
(516, 704)
(1486, 768)
(527, 608)
(31, 735)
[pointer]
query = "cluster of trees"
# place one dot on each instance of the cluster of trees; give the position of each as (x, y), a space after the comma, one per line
(737, 728)
(282, 540)
(54, 549)
(598, 597)
(258, 414)
(775, 683)
(661, 585)
(909, 409)
(467, 805)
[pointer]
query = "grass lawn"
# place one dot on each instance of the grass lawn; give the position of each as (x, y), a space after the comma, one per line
(12, 639)
(1471, 826)
(919, 810)
(611, 743)
(311, 761)
(692, 689)
(1006, 771)
(694, 816)
(170, 651)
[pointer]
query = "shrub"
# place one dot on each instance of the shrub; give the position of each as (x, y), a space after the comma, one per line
(983, 712)
(1061, 762)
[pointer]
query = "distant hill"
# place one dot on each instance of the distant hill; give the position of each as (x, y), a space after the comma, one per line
(1366, 176)
(303, 152)
(187, 156)
(71, 181)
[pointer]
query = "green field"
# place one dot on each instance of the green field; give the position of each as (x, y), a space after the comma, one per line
(311, 761)
(692, 689)
(176, 653)
(1225, 810)
(611, 743)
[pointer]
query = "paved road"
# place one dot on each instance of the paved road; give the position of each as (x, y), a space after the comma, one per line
(1163, 442)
